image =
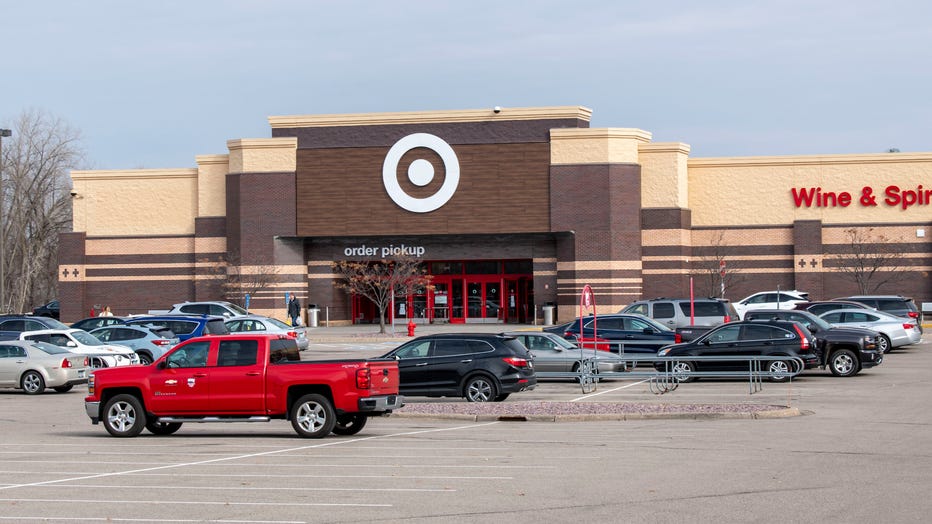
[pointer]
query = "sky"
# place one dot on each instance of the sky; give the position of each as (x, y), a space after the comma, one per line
(154, 84)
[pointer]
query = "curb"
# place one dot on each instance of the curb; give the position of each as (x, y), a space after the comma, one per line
(595, 417)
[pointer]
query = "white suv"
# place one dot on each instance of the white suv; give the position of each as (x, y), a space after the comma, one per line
(213, 308)
(771, 300)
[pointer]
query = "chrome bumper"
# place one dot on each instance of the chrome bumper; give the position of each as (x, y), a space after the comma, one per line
(386, 403)
(93, 411)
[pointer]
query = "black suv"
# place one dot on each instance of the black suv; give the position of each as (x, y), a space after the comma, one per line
(49, 309)
(479, 367)
(745, 339)
(12, 325)
(845, 350)
(893, 304)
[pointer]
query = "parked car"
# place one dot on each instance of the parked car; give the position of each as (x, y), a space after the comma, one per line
(12, 325)
(771, 300)
(479, 367)
(754, 338)
(689, 318)
(621, 332)
(184, 326)
(91, 323)
(34, 366)
(50, 309)
(149, 341)
(894, 331)
(553, 353)
(79, 341)
(261, 324)
(217, 308)
(818, 307)
(845, 350)
(894, 304)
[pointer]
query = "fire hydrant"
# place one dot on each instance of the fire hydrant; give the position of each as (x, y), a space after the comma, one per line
(411, 326)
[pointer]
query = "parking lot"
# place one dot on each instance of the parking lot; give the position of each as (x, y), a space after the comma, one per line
(859, 453)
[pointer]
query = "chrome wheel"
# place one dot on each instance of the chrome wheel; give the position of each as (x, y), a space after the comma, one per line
(124, 416)
(480, 389)
(780, 370)
(313, 416)
(32, 383)
(844, 363)
(682, 371)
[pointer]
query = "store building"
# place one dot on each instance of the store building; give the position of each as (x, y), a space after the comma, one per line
(509, 209)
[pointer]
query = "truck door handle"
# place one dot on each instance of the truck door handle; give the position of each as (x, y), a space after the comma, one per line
(252, 374)
(419, 364)
(465, 361)
(200, 375)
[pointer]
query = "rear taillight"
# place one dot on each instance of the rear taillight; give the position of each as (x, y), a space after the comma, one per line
(909, 325)
(913, 314)
(363, 378)
(517, 362)
(87, 362)
(677, 338)
(162, 342)
(293, 334)
(65, 363)
(727, 319)
(803, 339)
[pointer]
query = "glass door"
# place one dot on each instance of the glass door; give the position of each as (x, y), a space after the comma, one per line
(457, 312)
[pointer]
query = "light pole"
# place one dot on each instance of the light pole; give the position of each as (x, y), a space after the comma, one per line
(3, 133)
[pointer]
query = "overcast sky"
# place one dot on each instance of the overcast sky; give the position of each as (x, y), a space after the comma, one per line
(153, 84)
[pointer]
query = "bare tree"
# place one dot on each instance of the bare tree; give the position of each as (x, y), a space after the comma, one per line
(238, 280)
(36, 205)
(870, 261)
(380, 281)
(715, 275)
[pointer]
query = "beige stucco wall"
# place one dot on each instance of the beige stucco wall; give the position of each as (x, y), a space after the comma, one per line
(211, 185)
(263, 155)
(664, 174)
(596, 146)
(757, 190)
(135, 202)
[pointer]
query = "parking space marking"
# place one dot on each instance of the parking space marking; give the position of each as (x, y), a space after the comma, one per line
(122, 502)
(246, 456)
(274, 476)
(609, 390)
(161, 520)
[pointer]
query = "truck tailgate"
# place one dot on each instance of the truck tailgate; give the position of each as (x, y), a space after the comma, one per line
(384, 377)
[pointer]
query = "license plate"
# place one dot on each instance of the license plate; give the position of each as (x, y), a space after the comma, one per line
(81, 373)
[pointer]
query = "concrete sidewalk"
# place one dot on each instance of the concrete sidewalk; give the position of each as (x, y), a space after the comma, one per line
(399, 333)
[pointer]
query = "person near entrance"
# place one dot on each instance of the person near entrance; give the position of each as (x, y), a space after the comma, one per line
(294, 309)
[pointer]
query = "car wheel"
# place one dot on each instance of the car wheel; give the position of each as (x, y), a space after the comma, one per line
(780, 370)
(683, 371)
(63, 389)
(844, 363)
(32, 383)
(312, 416)
(350, 424)
(163, 428)
(479, 388)
(124, 416)
(145, 359)
(502, 397)
(884, 344)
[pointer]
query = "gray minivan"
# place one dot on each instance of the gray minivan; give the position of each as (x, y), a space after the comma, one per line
(689, 318)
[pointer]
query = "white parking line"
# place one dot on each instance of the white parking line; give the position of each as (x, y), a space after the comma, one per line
(246, 456)
(123, 502)
(270, 476)
(609, 390)
(255, 488)
(160, 520)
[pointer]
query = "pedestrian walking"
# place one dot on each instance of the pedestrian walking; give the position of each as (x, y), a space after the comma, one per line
(294, 310)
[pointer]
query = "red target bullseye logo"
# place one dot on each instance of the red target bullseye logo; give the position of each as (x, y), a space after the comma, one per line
(421, 173)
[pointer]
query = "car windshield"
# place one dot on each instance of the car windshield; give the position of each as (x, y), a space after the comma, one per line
(86, 338)
(562, 342)
(54, 324)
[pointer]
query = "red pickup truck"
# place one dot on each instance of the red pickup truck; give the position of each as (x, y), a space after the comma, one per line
(242, 378)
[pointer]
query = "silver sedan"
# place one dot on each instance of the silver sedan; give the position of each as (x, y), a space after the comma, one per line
(261, 324)
(554, 353)
(894, 331)
(34, 366)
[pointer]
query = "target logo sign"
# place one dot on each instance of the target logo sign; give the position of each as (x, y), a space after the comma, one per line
(421, 173)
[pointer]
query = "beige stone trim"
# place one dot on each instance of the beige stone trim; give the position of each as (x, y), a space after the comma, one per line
(599, 265)
(544, 260)
(591, 281)
(430, 117)
(545, 273)
(596, 146)
(666, 237)
(263, 155)
(210, 245)
(811, 160)
(140, 246)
